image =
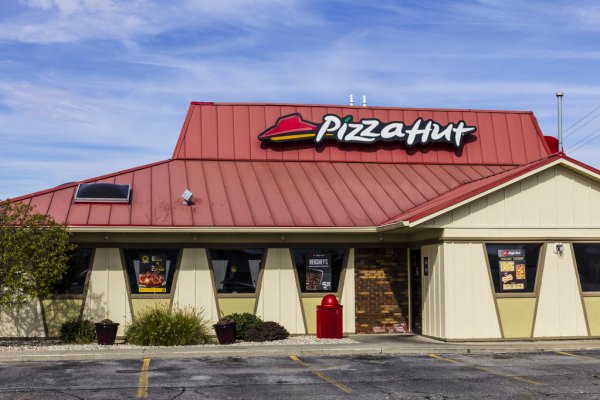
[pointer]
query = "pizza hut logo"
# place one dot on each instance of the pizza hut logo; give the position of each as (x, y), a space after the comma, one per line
(293, 127)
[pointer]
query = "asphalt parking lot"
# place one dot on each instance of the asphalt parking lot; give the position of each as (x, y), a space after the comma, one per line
(572, 375)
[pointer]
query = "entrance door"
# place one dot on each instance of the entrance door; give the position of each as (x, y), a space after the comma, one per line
(415, 290)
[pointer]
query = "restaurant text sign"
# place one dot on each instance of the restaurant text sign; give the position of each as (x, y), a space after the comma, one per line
(368, 130)
(512, 269)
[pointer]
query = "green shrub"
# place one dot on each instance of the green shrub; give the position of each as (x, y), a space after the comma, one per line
(78, 330)
(265, 331)
(160, 326)
(243, 322)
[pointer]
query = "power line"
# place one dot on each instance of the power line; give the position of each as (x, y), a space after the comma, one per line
(591, 137)
(581, 119)
(581, 147)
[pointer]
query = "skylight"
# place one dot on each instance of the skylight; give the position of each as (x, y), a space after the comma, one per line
(102, 193)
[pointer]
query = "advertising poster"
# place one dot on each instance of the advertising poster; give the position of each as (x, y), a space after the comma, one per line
(512, 271)
(152, 277)
(318, 272)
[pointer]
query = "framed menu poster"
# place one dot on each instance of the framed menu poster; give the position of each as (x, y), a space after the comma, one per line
(153, 273)
(513, 273)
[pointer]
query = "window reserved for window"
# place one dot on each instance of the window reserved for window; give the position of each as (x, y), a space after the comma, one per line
(236, 271)
(587, 256)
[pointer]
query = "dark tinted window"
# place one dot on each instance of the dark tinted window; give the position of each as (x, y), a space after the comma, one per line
(73, 281)
(513, 266)
(587, 256)
(102, 192)
(151, 270)
(319, 268)
(236, 271)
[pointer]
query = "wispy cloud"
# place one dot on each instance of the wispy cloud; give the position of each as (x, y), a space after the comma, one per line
(67, 21)
(92, 86)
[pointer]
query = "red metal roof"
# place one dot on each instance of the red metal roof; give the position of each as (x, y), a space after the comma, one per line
(229, 131)
(263, 194)
(239, 182)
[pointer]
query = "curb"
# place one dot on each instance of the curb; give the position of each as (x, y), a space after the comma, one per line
(280, 351)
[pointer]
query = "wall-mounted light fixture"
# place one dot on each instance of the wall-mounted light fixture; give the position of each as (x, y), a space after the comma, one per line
(560, 249)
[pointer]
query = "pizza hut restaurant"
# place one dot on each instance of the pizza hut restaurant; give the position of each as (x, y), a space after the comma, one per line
(453, 224)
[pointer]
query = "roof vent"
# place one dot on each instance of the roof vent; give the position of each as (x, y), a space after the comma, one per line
(102, 193)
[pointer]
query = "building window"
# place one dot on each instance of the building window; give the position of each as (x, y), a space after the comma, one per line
(587, 256)
(73, 281)
(513, 266)
(236, 271)
(151, 270)
(319, 269)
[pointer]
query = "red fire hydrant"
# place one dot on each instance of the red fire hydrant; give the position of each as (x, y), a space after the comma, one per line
(329, 318)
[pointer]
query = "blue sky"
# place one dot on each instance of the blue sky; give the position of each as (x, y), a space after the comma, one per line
(89, 87)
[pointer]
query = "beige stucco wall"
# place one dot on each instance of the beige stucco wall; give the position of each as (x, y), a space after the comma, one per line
(107, 295)
(194, 286)
(469, 306)
(279, 299)
(348, 299)
(58, 311)
(557, 205)
(22, 322)
(560, 307)
(555, 198)
(433, 292)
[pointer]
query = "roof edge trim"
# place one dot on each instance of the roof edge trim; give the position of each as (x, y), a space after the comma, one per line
(189, 229)
(209, 103)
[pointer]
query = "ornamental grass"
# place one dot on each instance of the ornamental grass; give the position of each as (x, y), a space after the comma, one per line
(160, 326)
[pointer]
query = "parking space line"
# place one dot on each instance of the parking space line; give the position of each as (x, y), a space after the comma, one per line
(142, 392)
(511, 376)
(489, 370)
(321, 375)
(443, 359)
(564, 353)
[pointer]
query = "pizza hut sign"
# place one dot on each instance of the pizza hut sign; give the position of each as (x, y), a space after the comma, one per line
(292, 127)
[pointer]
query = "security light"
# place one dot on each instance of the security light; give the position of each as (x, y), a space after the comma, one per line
(187, 197)
(560, 248)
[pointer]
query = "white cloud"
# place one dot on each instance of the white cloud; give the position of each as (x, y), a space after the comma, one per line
(67, 21)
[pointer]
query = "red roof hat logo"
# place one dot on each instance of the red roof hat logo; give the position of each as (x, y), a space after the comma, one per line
(290, 127)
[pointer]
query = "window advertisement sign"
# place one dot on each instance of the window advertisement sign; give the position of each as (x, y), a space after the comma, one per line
(153, 273)
(512, 269)
(318, 272)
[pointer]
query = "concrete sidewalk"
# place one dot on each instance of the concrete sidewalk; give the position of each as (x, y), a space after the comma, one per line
(366, 344)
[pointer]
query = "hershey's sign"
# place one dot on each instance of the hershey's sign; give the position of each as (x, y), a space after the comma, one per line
(368, 130)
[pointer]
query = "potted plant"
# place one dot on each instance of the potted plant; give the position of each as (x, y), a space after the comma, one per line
(106, 331)
(225, 330)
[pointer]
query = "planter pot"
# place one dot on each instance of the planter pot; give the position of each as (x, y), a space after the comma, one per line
(225, 333)
(106, 333)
